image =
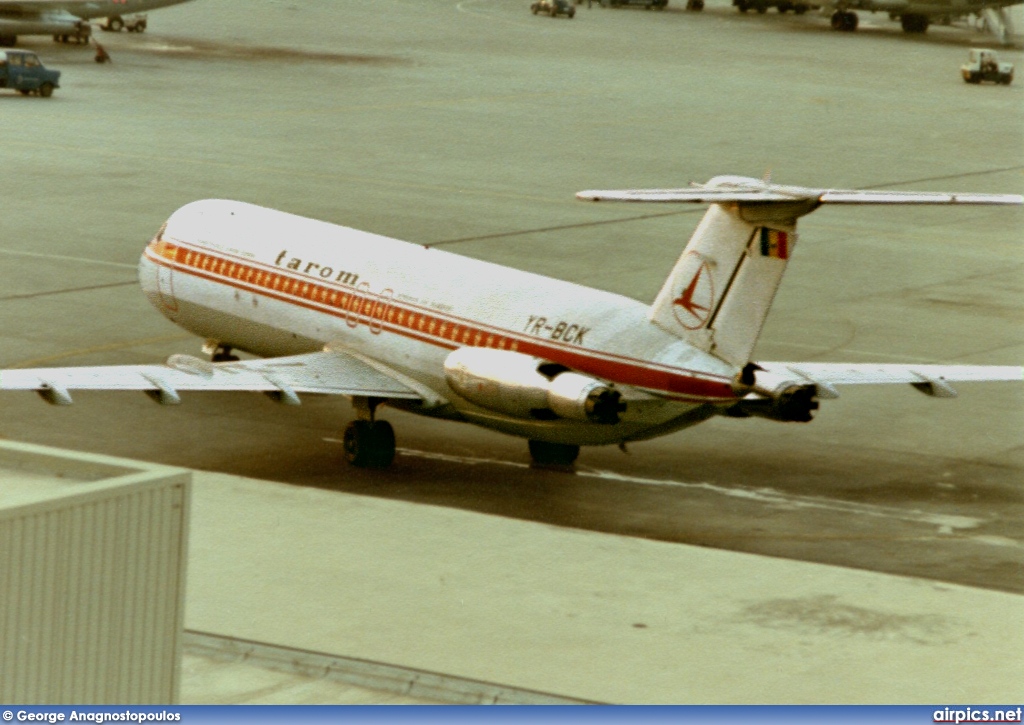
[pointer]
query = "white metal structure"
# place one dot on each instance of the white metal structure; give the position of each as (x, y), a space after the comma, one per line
(340, 311)
(92, 578)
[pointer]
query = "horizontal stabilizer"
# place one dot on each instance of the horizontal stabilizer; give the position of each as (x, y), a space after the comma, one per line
(738, 189)
(930, 379)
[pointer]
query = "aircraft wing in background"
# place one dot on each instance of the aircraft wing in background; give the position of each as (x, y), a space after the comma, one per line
(328, 372)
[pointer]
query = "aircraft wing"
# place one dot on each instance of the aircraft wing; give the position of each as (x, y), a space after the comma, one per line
(930, 379)
(329, 372)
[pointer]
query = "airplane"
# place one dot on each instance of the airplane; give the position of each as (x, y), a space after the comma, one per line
(337, 311)
(916, 15)
(63, 18)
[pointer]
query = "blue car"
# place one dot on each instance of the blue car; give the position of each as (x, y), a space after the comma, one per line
(22, 71)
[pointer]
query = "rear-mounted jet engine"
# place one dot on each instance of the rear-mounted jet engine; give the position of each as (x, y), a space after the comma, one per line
(528, 387)
(774, 397)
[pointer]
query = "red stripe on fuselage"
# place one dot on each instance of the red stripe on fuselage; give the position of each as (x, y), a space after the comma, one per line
(426, 325)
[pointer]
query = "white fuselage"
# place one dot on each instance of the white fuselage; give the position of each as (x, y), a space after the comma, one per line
(273, 284)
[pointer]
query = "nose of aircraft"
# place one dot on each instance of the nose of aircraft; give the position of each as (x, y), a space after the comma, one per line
(156, 276)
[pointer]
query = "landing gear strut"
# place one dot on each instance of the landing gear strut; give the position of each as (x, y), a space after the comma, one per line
(553, 454)
(369, 443)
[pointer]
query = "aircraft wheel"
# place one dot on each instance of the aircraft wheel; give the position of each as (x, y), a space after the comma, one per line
(46, 90)
(369, 445)
(843, 20)
(553, 454)
(914, 23)
(116, 25)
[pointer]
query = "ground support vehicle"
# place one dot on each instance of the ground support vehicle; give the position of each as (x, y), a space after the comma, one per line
(553, 8)
(132, 23)
(81, 35)
(23, 72)
(984, 65)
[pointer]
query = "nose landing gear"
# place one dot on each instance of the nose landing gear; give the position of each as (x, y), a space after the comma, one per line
(218, 352)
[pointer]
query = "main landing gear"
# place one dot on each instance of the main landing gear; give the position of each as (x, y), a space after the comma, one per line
(369, 443)
(553, 454)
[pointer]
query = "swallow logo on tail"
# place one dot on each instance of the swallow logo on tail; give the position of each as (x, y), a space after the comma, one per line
(692, 306)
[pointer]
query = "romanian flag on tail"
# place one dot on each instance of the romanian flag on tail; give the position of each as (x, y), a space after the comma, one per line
(774, 243)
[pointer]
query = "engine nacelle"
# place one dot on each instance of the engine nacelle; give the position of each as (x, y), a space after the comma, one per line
(779, 398)
(529, 387)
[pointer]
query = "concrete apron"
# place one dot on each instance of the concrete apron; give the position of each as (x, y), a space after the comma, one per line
(582, 614)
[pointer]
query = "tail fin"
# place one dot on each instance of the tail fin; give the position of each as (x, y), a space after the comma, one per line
(719, 292)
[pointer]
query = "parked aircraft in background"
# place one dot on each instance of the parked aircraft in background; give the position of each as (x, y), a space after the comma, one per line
(916, 15)
(64, 18)
(334, 310)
